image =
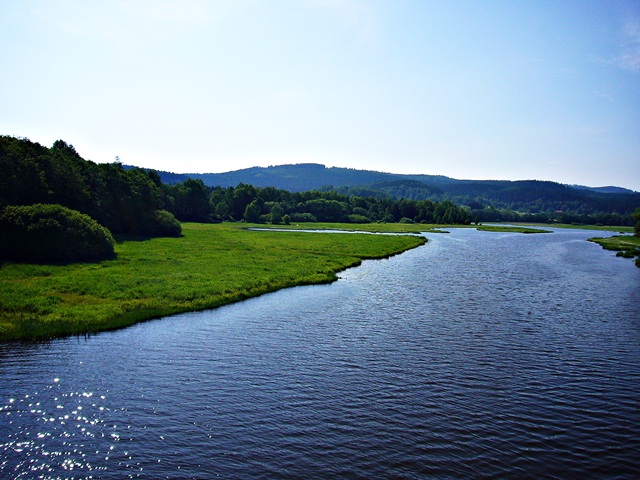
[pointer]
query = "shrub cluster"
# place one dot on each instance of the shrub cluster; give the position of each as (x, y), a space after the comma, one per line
(52, 234)
(165, 225)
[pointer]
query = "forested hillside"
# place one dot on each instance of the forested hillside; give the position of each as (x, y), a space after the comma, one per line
(488, 200)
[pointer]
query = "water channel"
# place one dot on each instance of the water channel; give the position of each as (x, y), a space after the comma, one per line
(477, 355)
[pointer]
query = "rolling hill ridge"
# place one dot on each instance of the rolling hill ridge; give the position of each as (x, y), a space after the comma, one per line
(527, 196)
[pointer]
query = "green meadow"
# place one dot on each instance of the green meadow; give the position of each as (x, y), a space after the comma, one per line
(210, 266)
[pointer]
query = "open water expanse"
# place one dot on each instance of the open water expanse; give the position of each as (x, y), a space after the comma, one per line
(478, 355)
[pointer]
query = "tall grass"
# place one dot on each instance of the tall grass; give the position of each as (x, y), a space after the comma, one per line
(211, 265)
(627, 246)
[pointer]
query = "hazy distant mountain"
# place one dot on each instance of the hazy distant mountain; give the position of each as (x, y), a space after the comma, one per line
(301, 177)
(608, 189)
(521, 195)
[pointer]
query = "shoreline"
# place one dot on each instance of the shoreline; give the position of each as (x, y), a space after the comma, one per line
(210, 266)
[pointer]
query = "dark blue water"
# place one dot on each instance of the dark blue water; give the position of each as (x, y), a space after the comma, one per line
(478, 355)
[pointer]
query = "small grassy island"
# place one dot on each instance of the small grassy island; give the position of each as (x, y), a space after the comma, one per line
(627, 246)
(210, 266)
(511, 228)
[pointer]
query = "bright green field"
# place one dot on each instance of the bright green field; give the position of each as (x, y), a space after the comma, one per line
(211, 265)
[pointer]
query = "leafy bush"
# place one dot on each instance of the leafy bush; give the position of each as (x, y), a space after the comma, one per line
(355, 218)
(165, 225)
(303, 217)
(406, 220)
(52, 233)
(252, 212)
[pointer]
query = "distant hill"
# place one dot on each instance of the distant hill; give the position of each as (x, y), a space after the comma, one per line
(531, 196)
(300, 177)
(608, 189)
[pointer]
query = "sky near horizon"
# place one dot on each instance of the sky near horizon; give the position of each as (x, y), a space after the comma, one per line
(485, 89)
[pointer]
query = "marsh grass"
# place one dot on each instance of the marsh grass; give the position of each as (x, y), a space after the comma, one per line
(210, 266)
(627, 246)
(604, 228)
(510, 228)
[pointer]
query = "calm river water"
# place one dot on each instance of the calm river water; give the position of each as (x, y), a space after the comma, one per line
(477, 355)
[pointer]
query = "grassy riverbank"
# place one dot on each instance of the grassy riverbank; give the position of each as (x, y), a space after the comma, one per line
(604, 228)
(211, 265)
(627, 246)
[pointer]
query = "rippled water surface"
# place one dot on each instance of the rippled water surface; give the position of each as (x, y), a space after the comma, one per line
(477, 355)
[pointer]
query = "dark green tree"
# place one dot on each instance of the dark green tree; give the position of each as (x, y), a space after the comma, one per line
(276, 214)
(124, 201)
(252, 212)
(190, 201)
(242, 196)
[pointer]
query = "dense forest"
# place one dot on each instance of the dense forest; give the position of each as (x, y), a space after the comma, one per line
(268, 204)
(488, 200)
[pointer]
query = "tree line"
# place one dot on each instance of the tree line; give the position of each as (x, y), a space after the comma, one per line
(549, 201)
(518, 201)
(192, 200)
(492, 214)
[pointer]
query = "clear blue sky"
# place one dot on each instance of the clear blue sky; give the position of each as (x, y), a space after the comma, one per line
(469, 89)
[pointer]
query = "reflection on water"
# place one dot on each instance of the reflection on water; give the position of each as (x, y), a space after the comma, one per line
(477, 355)
(51, 417)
